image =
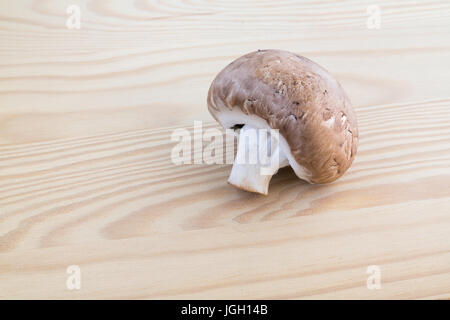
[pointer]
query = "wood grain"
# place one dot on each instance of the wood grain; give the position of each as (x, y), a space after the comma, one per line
(86, 176)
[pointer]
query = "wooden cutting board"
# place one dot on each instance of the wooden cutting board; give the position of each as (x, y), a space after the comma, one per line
(87, 181)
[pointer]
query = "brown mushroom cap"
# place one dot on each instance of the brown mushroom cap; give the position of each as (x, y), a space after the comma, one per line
(300, 99)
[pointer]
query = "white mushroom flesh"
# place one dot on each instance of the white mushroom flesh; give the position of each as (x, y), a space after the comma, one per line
(258, 158)
(243, 176)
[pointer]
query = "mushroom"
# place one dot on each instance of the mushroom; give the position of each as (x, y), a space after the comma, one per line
(275, 89)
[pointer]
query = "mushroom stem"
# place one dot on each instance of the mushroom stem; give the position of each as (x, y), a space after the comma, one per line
(258, 158)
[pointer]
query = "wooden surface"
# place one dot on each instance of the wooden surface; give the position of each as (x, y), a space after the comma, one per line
(86, 177)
